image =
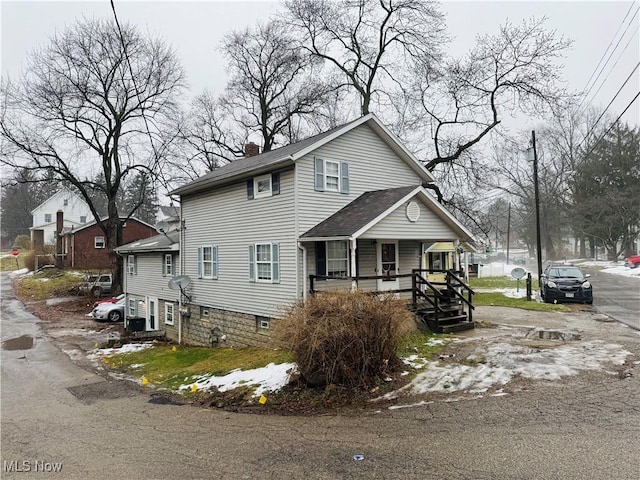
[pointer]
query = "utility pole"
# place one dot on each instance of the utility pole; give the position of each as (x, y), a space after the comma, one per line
(537, 200)
(508, 230)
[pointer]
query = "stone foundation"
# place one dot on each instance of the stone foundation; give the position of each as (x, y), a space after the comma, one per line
(215, 327)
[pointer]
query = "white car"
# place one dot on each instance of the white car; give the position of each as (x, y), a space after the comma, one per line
(113, 312)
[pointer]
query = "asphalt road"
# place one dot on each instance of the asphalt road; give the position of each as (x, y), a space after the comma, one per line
(52, 411)
(617, 296)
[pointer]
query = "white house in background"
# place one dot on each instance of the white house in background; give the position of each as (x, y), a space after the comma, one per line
(76, 213)
(170, 215)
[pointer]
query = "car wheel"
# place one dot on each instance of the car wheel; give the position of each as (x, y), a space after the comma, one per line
(115, 316)
(635, 265)
(589, 302)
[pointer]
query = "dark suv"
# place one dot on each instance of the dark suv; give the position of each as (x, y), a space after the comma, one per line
(565, 283)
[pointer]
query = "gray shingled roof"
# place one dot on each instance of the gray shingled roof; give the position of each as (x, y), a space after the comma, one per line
(358, 213)
(152, 244)
(251, 164)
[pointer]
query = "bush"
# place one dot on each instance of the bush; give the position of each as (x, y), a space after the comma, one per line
(345, 338)
(22, 242)
(30, 260)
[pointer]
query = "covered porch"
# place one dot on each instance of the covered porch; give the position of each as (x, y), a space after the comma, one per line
(397, 241)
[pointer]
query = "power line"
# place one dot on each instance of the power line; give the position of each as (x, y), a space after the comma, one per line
(611, 126)
(605, 110)
(605, 53)
(616, 62)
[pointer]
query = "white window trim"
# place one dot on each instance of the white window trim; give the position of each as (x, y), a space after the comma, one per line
(346, 259)
(96, 241)
(214, 262)
(48, 218)
(326, 175)
(131, 264)
(264, 280)
(168, 264)
(267, 193)
(167, 307)
(83, 219)
(132, 307)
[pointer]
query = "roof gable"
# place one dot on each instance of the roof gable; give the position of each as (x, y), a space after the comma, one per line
(281, 157)
(59, 193)
(370, 208)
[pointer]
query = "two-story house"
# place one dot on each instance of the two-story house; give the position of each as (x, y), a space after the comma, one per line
(76, 213)
(343, 209)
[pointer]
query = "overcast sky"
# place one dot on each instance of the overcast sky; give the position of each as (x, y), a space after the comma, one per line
(196, 28)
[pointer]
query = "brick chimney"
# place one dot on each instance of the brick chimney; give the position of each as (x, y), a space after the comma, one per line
(251, 149)
(59, 227)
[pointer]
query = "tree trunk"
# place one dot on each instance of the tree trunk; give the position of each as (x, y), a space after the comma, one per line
(114, 240)
(583, 248)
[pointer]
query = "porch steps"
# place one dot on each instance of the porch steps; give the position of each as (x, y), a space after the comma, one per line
(450, 318)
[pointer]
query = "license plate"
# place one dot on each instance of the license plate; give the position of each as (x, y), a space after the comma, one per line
(569, 295)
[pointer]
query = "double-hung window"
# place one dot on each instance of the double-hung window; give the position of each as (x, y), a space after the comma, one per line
(331, 176)
(208, 262)
(98, 242)
(132, 267)
(264, 262)
(167, 265)
(332, 258)
(337, 258)
(168, 313)
(47, 218)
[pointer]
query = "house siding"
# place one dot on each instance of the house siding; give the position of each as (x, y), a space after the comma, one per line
(226, 218)
(148, 279)
(396, 225)
(73, 211)
(373, 165)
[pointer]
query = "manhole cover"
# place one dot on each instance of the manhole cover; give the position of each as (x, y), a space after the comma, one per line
(25, 342)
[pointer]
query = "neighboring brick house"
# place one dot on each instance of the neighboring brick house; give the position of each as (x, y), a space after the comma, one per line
(85, 247)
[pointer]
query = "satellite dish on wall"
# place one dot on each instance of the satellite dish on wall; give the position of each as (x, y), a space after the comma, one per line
(179, 282)
(162, 227)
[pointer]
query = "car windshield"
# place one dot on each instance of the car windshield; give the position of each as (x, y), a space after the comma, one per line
(565, 272)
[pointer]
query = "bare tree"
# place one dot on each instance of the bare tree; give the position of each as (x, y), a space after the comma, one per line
(272, 85)
(372, 45)
(515, 71)
(86, 108)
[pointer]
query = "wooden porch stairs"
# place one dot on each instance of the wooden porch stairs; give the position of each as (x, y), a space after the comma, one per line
(443, 307)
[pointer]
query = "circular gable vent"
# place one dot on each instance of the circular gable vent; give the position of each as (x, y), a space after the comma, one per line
(413, 211)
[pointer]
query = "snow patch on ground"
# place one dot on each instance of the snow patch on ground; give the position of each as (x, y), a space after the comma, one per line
(270, 378)
(126, 348)
(501, 362)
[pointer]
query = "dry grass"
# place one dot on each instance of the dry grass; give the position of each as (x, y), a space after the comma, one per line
(345, 338)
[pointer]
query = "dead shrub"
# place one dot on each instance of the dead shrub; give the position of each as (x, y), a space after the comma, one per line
(345, 338)
(30, 260)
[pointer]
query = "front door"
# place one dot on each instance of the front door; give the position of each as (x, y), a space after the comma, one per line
(152, 314)
(437, 261)
(388, 266)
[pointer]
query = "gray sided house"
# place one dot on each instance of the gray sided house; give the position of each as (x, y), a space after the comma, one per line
(149, 264)
(344, 209)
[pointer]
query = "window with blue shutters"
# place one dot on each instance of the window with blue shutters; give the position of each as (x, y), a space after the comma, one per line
(263, 186)
(331, 176)
(264, 262)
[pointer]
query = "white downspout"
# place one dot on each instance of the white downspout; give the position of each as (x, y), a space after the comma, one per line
(180, 253)
(304, 269)
(354, 282)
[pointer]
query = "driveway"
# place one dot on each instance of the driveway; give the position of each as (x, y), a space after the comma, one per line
(586, 426)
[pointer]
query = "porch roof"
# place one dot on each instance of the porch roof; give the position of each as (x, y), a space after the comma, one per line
(357, 214)
(370, 208)
(157, 243)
